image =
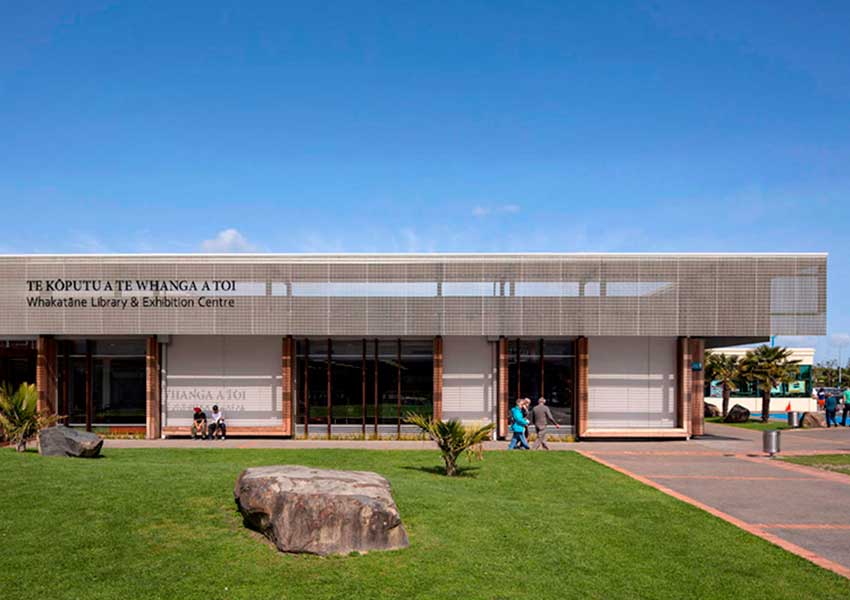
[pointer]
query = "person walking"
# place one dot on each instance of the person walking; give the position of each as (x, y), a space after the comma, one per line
(526, 414)
(830, 404)
(846, 407)
(518, 424)
(541, 417)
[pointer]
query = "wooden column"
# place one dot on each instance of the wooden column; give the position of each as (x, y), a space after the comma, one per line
(64, 405)
(683, 384)
(89, 385)
(307, 389)
(582, 384)
(287, 362)
(45, 374)
(438, 377)
(502, 389)
(697, 347)
(375, 382)
(153, 398)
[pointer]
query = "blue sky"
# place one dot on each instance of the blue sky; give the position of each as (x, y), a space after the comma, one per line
(423, 126)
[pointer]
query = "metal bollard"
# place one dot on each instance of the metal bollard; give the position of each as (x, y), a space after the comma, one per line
(770, 442)
(793, 419)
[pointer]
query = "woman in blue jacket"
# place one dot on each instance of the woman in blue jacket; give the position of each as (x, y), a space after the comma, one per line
(518, 425)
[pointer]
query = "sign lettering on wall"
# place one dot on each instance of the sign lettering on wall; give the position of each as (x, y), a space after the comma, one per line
(130, 293)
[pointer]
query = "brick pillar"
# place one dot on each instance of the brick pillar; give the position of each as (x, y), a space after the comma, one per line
(582, 384)
(153, 405)
(438, 377)
(287, 361)
(697, 349)
(683, 384)
(46, 374)
(502, 389)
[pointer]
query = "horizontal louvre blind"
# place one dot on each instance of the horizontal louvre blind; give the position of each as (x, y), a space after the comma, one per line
(632, 382)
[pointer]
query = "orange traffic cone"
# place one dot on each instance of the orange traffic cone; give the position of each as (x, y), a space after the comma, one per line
(788, 408)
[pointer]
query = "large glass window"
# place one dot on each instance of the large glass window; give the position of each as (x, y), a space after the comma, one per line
(417, 377)
(543, 367)
(317, 381)
(388, 377)
(347, 382)
(388, 388)
(117, 379)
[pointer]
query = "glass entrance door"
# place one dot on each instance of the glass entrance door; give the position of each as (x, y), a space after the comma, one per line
(543, 367)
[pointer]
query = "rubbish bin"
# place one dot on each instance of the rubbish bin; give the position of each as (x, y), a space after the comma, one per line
(793, 418)
(770, 441)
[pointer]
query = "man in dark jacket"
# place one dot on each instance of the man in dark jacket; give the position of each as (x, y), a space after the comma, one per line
(541, 416)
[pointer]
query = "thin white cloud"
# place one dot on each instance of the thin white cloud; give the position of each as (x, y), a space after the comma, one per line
(87, 243)
(228, 240)
(483, 211)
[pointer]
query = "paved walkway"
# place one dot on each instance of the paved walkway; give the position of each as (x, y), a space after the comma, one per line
(802, 509)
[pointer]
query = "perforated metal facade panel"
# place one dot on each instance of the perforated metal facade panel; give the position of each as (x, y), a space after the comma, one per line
(394, 295)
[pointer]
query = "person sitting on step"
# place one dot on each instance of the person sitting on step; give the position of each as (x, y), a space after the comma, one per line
(199, 424)
(217, 424)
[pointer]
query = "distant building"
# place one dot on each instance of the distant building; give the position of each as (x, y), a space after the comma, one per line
(801, 387)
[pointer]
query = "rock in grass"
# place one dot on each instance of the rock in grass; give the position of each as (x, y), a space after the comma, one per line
(66, 441)
(710, 410)
(737, 414)
(320, 511)
(812, 419)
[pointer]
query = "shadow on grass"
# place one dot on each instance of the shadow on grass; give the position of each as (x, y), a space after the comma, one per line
(461, 471)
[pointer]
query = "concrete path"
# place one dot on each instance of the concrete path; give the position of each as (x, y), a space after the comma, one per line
(802, 509)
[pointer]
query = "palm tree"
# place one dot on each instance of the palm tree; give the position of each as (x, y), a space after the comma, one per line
(19, 416)
(725, 370)
(768, 367)
(452, 438)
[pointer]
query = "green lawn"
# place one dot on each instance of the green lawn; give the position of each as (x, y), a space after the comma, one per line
(829, 462)
(751, 424)
(155, 523)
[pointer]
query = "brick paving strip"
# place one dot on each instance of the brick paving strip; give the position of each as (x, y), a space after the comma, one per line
(758, 529)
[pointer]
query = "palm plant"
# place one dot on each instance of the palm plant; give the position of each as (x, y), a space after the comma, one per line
(19, 416)
(768, 367)
(452, 438)
(725, 370)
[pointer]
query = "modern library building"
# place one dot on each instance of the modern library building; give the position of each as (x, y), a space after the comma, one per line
(348, 344)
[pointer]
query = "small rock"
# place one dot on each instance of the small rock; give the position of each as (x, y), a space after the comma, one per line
(737, 414)
(710, 410)
(320, 511)
(813, 419)
(67, 441)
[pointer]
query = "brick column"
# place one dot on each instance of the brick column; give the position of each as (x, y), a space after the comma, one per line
(683, 384)
(153, 404)
(438, 377)
(287, 362)
(46, 374)
(582, 384)
(502, 388)
(697, 349)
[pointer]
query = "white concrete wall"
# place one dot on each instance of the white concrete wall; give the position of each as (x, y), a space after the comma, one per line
(632, 382)
(777, 404)
(469, 379)
(242, 374)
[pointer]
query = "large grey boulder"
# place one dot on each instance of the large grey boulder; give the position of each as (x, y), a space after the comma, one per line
(66, 441)
(737, 414)
(812, 420)
(320, 511)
